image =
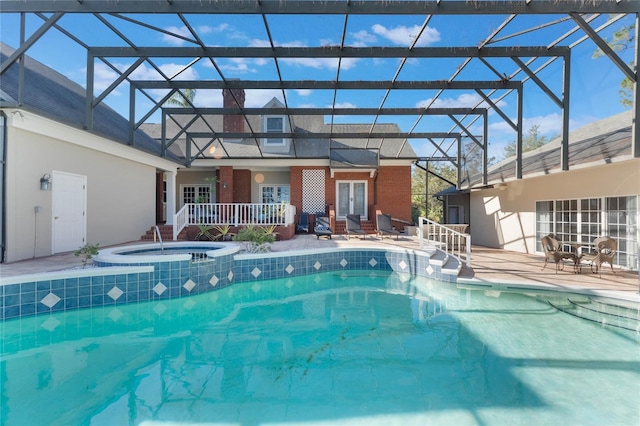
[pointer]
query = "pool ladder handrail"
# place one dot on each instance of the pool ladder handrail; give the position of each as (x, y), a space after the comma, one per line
(157, 232)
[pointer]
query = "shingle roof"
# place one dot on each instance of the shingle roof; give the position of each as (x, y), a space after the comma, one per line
(389, 148)
(53, 95)
(600, 142)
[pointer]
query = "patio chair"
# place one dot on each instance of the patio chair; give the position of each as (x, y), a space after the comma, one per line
(587, 257)
(354, 227)
(303, 222)
(383, 225)
(606, 248)
(323, 227)
(552, 252)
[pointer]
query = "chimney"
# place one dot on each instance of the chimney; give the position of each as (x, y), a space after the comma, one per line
(233, 98)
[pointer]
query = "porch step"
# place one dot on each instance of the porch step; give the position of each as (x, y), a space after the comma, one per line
(166, 232)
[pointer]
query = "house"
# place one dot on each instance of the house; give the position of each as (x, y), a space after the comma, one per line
(598, 195)
(65, 186)
(334, 175)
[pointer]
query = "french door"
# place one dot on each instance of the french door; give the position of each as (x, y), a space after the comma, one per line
(351, 198)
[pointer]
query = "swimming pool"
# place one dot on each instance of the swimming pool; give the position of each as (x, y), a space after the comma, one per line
(341, 347)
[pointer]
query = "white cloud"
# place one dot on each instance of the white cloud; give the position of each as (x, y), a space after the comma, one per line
(321, 63)
(175, 41)
(549, 125)
(304, 92)
(104, 75)
(171, 69)
(362, 38)
(239, 65)
(344, 105)
(465, 100)
(256, 42)
(404, 36)
(207, 29)
(317, 63)
(259, 98)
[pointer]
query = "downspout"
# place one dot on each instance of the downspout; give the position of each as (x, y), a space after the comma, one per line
(3, 188)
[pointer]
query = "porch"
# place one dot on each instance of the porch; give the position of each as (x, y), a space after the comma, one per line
(234, 215)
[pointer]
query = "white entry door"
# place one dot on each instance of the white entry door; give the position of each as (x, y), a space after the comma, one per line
(69, 202)
(352, 198)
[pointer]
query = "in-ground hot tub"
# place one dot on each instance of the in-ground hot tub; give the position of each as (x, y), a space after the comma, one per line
(166, 252)
(179, 268)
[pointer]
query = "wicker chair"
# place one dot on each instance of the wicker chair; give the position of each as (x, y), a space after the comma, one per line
(606, 248)
(552, 252)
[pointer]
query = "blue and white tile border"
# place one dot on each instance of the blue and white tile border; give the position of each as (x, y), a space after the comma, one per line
(149, 279)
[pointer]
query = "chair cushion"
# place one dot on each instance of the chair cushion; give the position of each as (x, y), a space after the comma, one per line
(322, 228)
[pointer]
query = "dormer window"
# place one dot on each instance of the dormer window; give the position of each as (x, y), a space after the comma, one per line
(274, 124)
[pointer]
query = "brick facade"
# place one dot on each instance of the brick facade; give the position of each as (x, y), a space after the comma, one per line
(225, 184)
(389, 191)
(242, 186)
(394, 191)
(233, 98)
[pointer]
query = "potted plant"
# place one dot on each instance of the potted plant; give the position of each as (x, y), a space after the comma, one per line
(224, 232)
(204, 232)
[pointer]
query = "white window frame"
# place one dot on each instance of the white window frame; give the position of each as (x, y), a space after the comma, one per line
(274, 141)
(275, 186)
(571, 220)
(198, 190)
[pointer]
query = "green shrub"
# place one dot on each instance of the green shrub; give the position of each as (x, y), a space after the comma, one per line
(255, 239)
(87, 252)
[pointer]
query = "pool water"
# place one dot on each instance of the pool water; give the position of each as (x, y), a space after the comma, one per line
(332, 348)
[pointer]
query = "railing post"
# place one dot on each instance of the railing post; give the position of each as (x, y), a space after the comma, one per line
(175, 226)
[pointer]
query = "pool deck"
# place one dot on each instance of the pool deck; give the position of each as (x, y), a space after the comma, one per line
(488, 266)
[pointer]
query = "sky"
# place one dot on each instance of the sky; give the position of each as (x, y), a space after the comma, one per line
(593, 92)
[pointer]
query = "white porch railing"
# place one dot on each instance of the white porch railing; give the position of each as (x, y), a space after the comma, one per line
(446, 238)
(234, 214)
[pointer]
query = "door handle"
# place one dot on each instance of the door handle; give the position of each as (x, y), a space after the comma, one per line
(55, 217)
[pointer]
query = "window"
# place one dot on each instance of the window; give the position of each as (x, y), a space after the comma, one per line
(274, 124)
(274, 193)
(196, 194)
(584, 220)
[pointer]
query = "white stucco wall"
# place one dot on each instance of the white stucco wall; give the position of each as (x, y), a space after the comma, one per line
(506, 218)
(120, 190)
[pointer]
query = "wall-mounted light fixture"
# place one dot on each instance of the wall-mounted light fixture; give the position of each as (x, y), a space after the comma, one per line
(45, 182)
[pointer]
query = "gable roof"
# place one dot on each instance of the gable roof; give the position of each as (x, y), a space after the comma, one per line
(53, 95)
(388, 148)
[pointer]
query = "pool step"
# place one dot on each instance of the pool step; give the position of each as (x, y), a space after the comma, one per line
(603, 312)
